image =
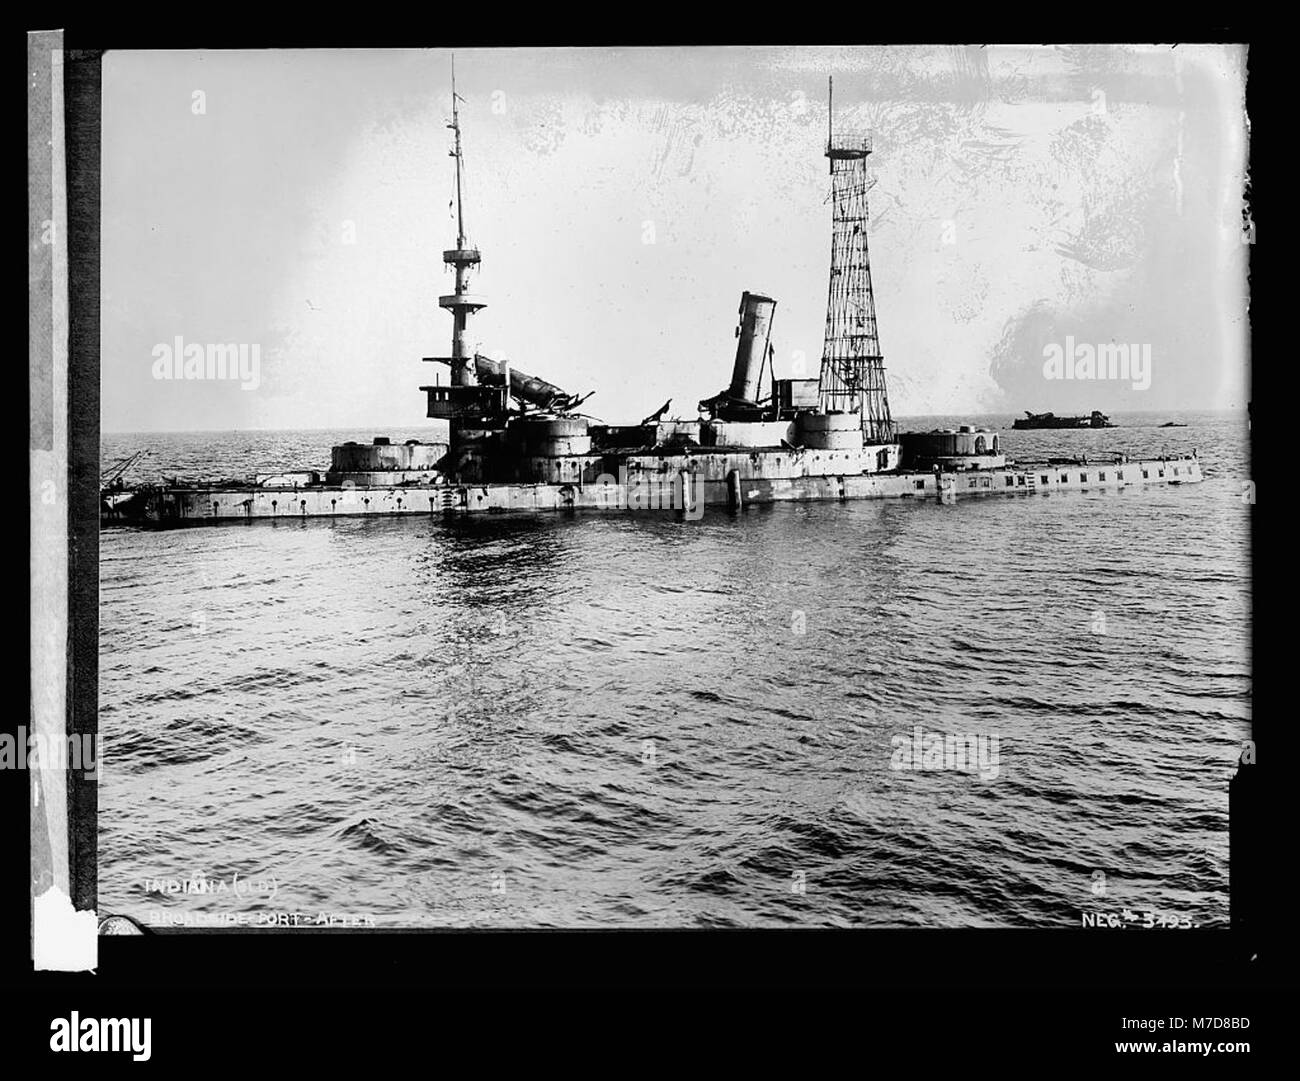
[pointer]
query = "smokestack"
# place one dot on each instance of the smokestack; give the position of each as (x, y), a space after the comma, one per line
(751, 350)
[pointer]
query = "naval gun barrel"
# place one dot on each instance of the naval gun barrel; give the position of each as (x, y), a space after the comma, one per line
(527, 388)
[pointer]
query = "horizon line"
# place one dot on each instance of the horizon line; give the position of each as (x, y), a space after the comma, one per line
(379, 427)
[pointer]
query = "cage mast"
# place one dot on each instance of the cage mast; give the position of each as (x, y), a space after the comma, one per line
(853, 369)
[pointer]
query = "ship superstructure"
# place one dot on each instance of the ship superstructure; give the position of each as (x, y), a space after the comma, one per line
(503, 440)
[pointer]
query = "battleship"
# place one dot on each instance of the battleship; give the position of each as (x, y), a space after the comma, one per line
(502, 440)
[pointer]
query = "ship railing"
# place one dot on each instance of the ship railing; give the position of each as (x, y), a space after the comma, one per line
(849, 144)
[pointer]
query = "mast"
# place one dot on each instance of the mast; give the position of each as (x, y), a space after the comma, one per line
(853, 369)
(830, 116)
(455, 126)
(462, 304)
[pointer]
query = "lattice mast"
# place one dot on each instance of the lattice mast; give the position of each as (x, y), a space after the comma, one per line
(462, 304)
(853, 370)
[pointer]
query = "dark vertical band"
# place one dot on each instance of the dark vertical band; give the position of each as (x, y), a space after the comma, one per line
(82, 120)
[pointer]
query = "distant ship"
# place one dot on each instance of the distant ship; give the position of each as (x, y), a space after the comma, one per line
(1096, 419)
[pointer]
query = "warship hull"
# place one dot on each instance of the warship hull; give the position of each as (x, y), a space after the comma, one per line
(686, 493)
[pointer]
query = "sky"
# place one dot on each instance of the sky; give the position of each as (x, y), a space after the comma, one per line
(623, 199)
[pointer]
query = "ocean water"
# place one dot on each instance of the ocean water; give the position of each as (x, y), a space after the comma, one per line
(640, 721)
